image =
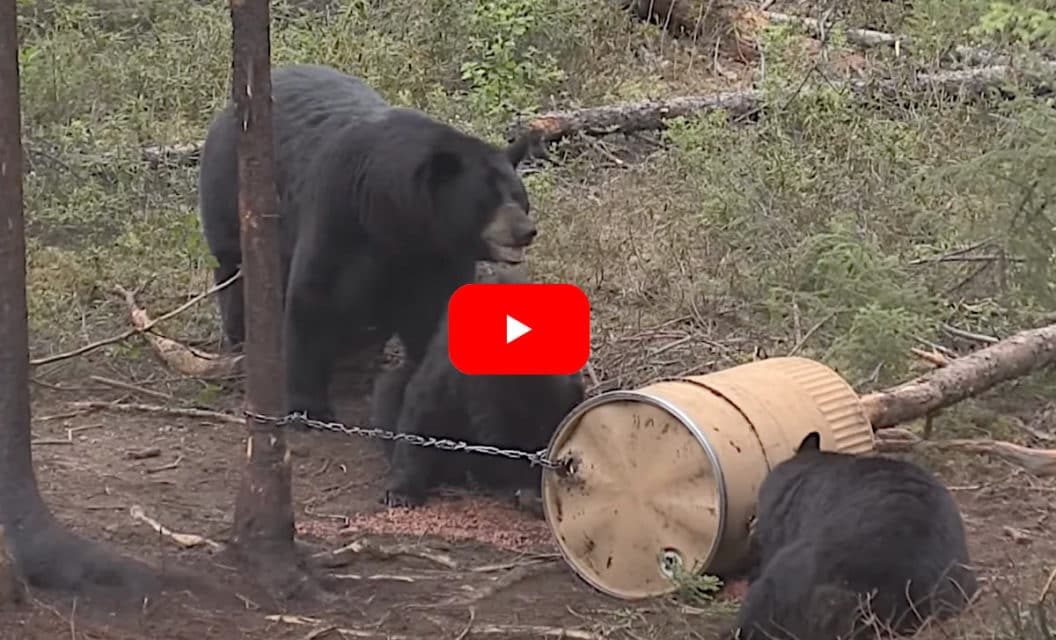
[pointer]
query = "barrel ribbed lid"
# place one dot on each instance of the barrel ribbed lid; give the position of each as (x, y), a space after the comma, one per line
(643, 486)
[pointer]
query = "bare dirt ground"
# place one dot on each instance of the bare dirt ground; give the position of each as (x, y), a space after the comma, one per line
(91, 480)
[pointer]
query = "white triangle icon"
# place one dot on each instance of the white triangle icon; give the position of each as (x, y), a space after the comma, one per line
(515, 329)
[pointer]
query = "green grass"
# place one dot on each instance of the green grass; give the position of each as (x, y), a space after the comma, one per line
(820, 228)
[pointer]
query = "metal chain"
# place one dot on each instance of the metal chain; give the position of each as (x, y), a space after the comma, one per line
(536, 458)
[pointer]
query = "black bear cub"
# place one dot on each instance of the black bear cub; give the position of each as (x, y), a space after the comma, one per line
(848, 545)
(433, 398)
(384, 212)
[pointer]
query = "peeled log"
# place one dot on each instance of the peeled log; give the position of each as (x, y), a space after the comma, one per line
(962, 378)
(179, 357)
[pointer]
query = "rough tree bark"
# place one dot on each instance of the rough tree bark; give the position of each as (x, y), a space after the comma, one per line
(45, 553)
(962, 378)
(263, 525)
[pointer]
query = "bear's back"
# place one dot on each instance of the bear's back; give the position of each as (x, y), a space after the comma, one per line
(312, 102)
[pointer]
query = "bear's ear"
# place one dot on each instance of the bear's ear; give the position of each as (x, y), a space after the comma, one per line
(812, 442)
(442, 166)
(528, 143)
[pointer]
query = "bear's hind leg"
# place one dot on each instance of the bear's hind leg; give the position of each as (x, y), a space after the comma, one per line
(229, 299)
(328, 310)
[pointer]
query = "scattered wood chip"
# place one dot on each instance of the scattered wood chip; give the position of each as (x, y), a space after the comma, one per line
(185, 540)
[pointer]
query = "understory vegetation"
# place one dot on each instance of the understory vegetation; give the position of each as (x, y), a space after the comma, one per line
(833, 225)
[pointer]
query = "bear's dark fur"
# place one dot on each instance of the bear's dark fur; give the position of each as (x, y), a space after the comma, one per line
(384, 212)
(837, 535)
(433, 398)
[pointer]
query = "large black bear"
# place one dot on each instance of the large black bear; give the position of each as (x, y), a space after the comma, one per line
(384, 212)
(433, 398)
(846, 545)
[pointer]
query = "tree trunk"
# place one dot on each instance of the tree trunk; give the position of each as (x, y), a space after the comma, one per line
(45, 553)
(263, 526)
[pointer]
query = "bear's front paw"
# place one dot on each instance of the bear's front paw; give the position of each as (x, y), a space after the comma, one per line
(396, 498)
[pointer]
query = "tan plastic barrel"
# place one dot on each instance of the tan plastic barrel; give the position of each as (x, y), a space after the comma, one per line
(668, 474)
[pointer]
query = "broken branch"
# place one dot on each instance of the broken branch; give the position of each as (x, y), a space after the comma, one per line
(146, 326)
(176, 356)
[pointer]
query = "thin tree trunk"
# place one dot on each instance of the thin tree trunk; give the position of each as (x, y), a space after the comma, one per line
(46, 554)
(263, 525)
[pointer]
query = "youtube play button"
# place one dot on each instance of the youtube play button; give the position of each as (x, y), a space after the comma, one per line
(515, 329)
(518, 329)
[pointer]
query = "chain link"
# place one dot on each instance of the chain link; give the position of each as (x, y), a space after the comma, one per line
(536, 458)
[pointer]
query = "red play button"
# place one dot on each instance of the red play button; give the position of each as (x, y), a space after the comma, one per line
(520, 329)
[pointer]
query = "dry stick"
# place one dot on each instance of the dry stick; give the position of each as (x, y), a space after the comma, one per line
(649, 115)
(962, 378)
(485, 629)
(118, 384)
(176, 356)
(131, 332)
(175, 412)
(340, 557)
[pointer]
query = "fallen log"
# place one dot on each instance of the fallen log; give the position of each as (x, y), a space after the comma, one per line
(962, 378)
(641, 116)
